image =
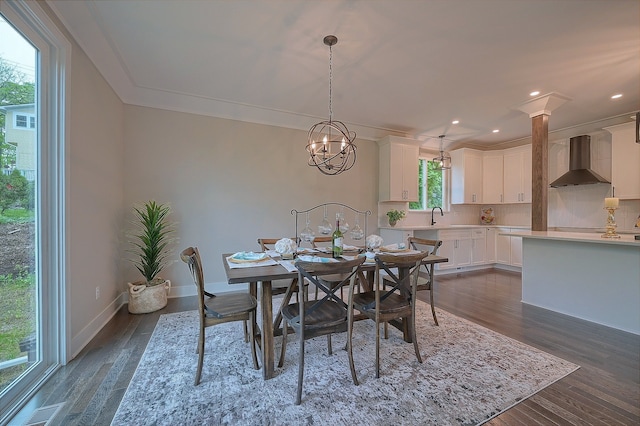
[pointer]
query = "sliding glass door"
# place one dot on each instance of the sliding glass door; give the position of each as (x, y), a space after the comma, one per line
(32, 322)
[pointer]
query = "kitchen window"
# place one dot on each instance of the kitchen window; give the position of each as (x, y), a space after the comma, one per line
(431, 186)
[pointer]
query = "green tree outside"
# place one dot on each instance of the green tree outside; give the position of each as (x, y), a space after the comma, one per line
(429, 195)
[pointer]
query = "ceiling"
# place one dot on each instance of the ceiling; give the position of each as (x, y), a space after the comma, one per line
(406, 68)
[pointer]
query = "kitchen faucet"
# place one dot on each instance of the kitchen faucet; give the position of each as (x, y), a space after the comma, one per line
(433, 222)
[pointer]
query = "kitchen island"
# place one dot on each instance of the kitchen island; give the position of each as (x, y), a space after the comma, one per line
(583, 275)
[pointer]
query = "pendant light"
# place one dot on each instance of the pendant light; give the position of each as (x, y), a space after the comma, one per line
(330, 144)
(442, 162)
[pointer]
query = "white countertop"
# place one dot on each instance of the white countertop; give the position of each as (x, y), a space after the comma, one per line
(583, 237)
(443, 227)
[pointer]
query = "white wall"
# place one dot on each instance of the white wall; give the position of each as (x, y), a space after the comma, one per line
(229, 183)
(95, 200)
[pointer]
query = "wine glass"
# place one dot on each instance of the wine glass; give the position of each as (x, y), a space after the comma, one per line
(357, 233)
(325, 227)
(307, 233)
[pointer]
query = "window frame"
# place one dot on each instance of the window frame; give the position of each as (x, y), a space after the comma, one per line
(53, 64)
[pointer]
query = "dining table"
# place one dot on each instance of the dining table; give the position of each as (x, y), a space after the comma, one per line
(263, 275)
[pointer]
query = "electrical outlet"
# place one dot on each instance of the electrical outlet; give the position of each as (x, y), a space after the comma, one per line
(97, 293)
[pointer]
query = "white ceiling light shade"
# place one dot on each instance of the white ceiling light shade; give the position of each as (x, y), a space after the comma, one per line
(330, 144)
(442, 161)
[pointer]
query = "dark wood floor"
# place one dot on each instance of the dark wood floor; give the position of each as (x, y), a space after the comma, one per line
(604, 391)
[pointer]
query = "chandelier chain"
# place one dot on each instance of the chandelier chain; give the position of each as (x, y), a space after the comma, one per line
(330, 79)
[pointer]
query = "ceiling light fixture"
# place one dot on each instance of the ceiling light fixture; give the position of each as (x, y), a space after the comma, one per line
(617, 96)
(330, 144)
(442, 162)
(496, 131)
(455, 122)
(534, 93)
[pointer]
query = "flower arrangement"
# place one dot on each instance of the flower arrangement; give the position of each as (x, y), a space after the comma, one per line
(395, 215)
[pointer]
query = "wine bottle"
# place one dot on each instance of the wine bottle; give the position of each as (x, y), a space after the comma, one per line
(336, 240)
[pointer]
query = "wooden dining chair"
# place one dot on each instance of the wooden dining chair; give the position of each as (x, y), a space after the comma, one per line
(424, 276)
(324, 243)
(324, 316)
(396, 303)
(280, 287)
(219, 309)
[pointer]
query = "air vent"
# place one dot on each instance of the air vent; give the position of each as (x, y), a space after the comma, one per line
(43, 415)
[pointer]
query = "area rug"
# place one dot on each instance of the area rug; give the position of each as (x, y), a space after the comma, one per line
(469, 374)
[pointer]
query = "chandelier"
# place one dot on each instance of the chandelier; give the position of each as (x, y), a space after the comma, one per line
(442, 162)
(330, 144)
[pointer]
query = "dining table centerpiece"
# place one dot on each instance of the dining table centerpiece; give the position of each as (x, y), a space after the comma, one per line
(151, 240)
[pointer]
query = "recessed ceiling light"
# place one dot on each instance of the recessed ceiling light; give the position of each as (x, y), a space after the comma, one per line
(496, 130)
(534, 93)
(617, 96)
(455, 121)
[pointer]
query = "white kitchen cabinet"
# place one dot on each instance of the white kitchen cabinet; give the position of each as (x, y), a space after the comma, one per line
(466, 176)
(490, 247)
(503, 247)
(478, 246)
(625, 161)
(509, 248)
(395, 236)
(517, 175)
(398, 179)
(456, 246)
(492, 177)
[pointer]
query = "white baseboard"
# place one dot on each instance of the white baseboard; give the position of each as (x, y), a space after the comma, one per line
(80, 340)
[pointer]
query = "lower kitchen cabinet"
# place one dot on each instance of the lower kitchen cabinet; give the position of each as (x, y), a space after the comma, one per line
(478, 246)
(509, 248)
(468, 248)
(456, 246)
(490, 247)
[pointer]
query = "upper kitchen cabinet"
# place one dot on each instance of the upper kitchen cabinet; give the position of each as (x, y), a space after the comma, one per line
(398, 169)
(517, 174)
(625, 161)
(466, 176)
(492, 177)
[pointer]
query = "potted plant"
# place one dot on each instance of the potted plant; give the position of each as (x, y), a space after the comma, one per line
(150, 240)
(394, 216)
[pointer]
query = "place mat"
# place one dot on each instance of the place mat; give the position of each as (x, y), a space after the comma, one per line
(469, 375)
(247, 263)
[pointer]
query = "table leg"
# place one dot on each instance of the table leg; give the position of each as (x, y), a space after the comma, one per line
(267, 331)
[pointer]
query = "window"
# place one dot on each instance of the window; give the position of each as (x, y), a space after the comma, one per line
(431, 184)
(28, 34)
(24, 121)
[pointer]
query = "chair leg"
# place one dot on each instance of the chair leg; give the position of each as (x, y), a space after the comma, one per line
(433, 308)
(200, 351)
(350, 346)
(252, 338)
(377, 349)
(329, 344)
(246, 332)
(285, 328)
(386, 330)
(300, 369)
(414, 337)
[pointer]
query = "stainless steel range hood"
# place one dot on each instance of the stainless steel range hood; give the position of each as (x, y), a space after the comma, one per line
(579, 165)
